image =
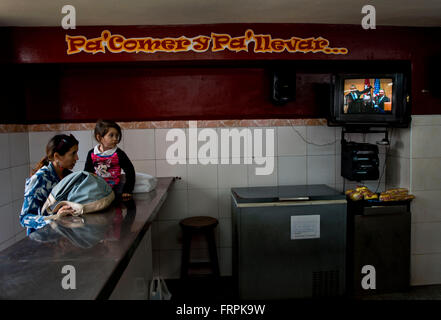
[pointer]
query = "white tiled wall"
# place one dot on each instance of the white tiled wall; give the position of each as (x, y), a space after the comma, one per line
(414, 163)
(425, 184)
(302, 155)
(14, 169)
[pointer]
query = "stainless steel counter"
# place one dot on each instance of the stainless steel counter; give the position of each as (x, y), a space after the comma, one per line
(98, 245)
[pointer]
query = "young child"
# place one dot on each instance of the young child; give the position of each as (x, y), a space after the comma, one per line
(106, 159)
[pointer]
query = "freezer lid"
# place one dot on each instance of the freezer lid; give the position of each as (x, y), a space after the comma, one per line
(286, 193)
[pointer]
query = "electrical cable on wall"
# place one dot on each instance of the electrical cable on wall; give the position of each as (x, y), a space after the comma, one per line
(308, 142)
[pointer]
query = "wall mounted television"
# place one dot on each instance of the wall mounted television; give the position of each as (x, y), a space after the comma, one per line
(370, 100)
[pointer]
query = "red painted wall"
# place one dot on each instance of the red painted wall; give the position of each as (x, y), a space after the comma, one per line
(50, 86)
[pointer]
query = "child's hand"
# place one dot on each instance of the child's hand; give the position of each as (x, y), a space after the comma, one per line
(126, 196)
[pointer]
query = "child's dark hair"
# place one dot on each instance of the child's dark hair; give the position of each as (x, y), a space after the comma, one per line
(103, 126)
(61, 143)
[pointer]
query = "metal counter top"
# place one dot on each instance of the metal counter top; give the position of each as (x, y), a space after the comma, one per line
(98, 245)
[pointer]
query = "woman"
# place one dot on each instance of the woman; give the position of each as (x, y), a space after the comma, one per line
(61, 156)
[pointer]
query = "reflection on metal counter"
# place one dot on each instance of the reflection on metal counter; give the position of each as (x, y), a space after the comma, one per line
(288, 241)
(89, 229)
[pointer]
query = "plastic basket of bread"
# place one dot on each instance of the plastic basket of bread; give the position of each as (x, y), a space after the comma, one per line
(363, 193)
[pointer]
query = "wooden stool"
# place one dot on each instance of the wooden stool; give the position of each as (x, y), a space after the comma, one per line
(202, 225)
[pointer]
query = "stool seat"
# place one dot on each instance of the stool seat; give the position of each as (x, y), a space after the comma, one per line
(199, 222)
(194, 225)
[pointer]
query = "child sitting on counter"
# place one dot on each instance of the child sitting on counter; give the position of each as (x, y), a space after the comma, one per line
(106, 159)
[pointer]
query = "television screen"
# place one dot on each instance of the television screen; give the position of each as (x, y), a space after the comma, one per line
(370, 99)
(368, 96)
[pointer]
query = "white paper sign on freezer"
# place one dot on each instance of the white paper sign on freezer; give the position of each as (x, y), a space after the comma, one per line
(305, 227)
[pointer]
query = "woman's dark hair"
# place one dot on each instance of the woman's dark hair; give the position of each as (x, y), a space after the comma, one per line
(103, 126)
(61, 143)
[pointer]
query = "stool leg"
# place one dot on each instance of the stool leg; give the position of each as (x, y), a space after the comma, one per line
(213, 252)
(186, 243)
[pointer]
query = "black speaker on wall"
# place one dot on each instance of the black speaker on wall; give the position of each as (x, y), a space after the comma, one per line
(283, 86)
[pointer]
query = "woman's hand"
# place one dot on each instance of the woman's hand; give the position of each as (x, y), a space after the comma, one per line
(65, 210)
(126, 196)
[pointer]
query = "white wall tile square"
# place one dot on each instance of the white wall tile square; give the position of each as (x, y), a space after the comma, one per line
(425, 269)
(170, 264)
(155, 235)
(202, 176)
(170, 235)
(397, 172)
(155, 258)
(164, 169)
(18, 179)
(226, 261)
(208, 147)
(426, 120)
(176, 206)
(426, 238)
(292, 170)
(321, 169)
(426, 174)
(145, 166)
(21, 235)
(322, 140)
(85, 138)
(5, 187)
(139, 144)
(161, 144)
(246, 142)
(338, 177)
(233, 175)
(267, 139)
(79, 166)
(4, 155)
(19, 148)
(400, 142)
(224, 203)
(16, 209)
(255, 180)
(290, 142)
(426, 207)
(203, 202)
(37, 144)
(6, 228)
(6, 244)
(426, 142)
(225, 234)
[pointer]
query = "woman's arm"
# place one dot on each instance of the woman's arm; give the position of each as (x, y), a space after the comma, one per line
(36, 193)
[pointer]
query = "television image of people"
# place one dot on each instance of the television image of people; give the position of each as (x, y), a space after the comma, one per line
(368, 96)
